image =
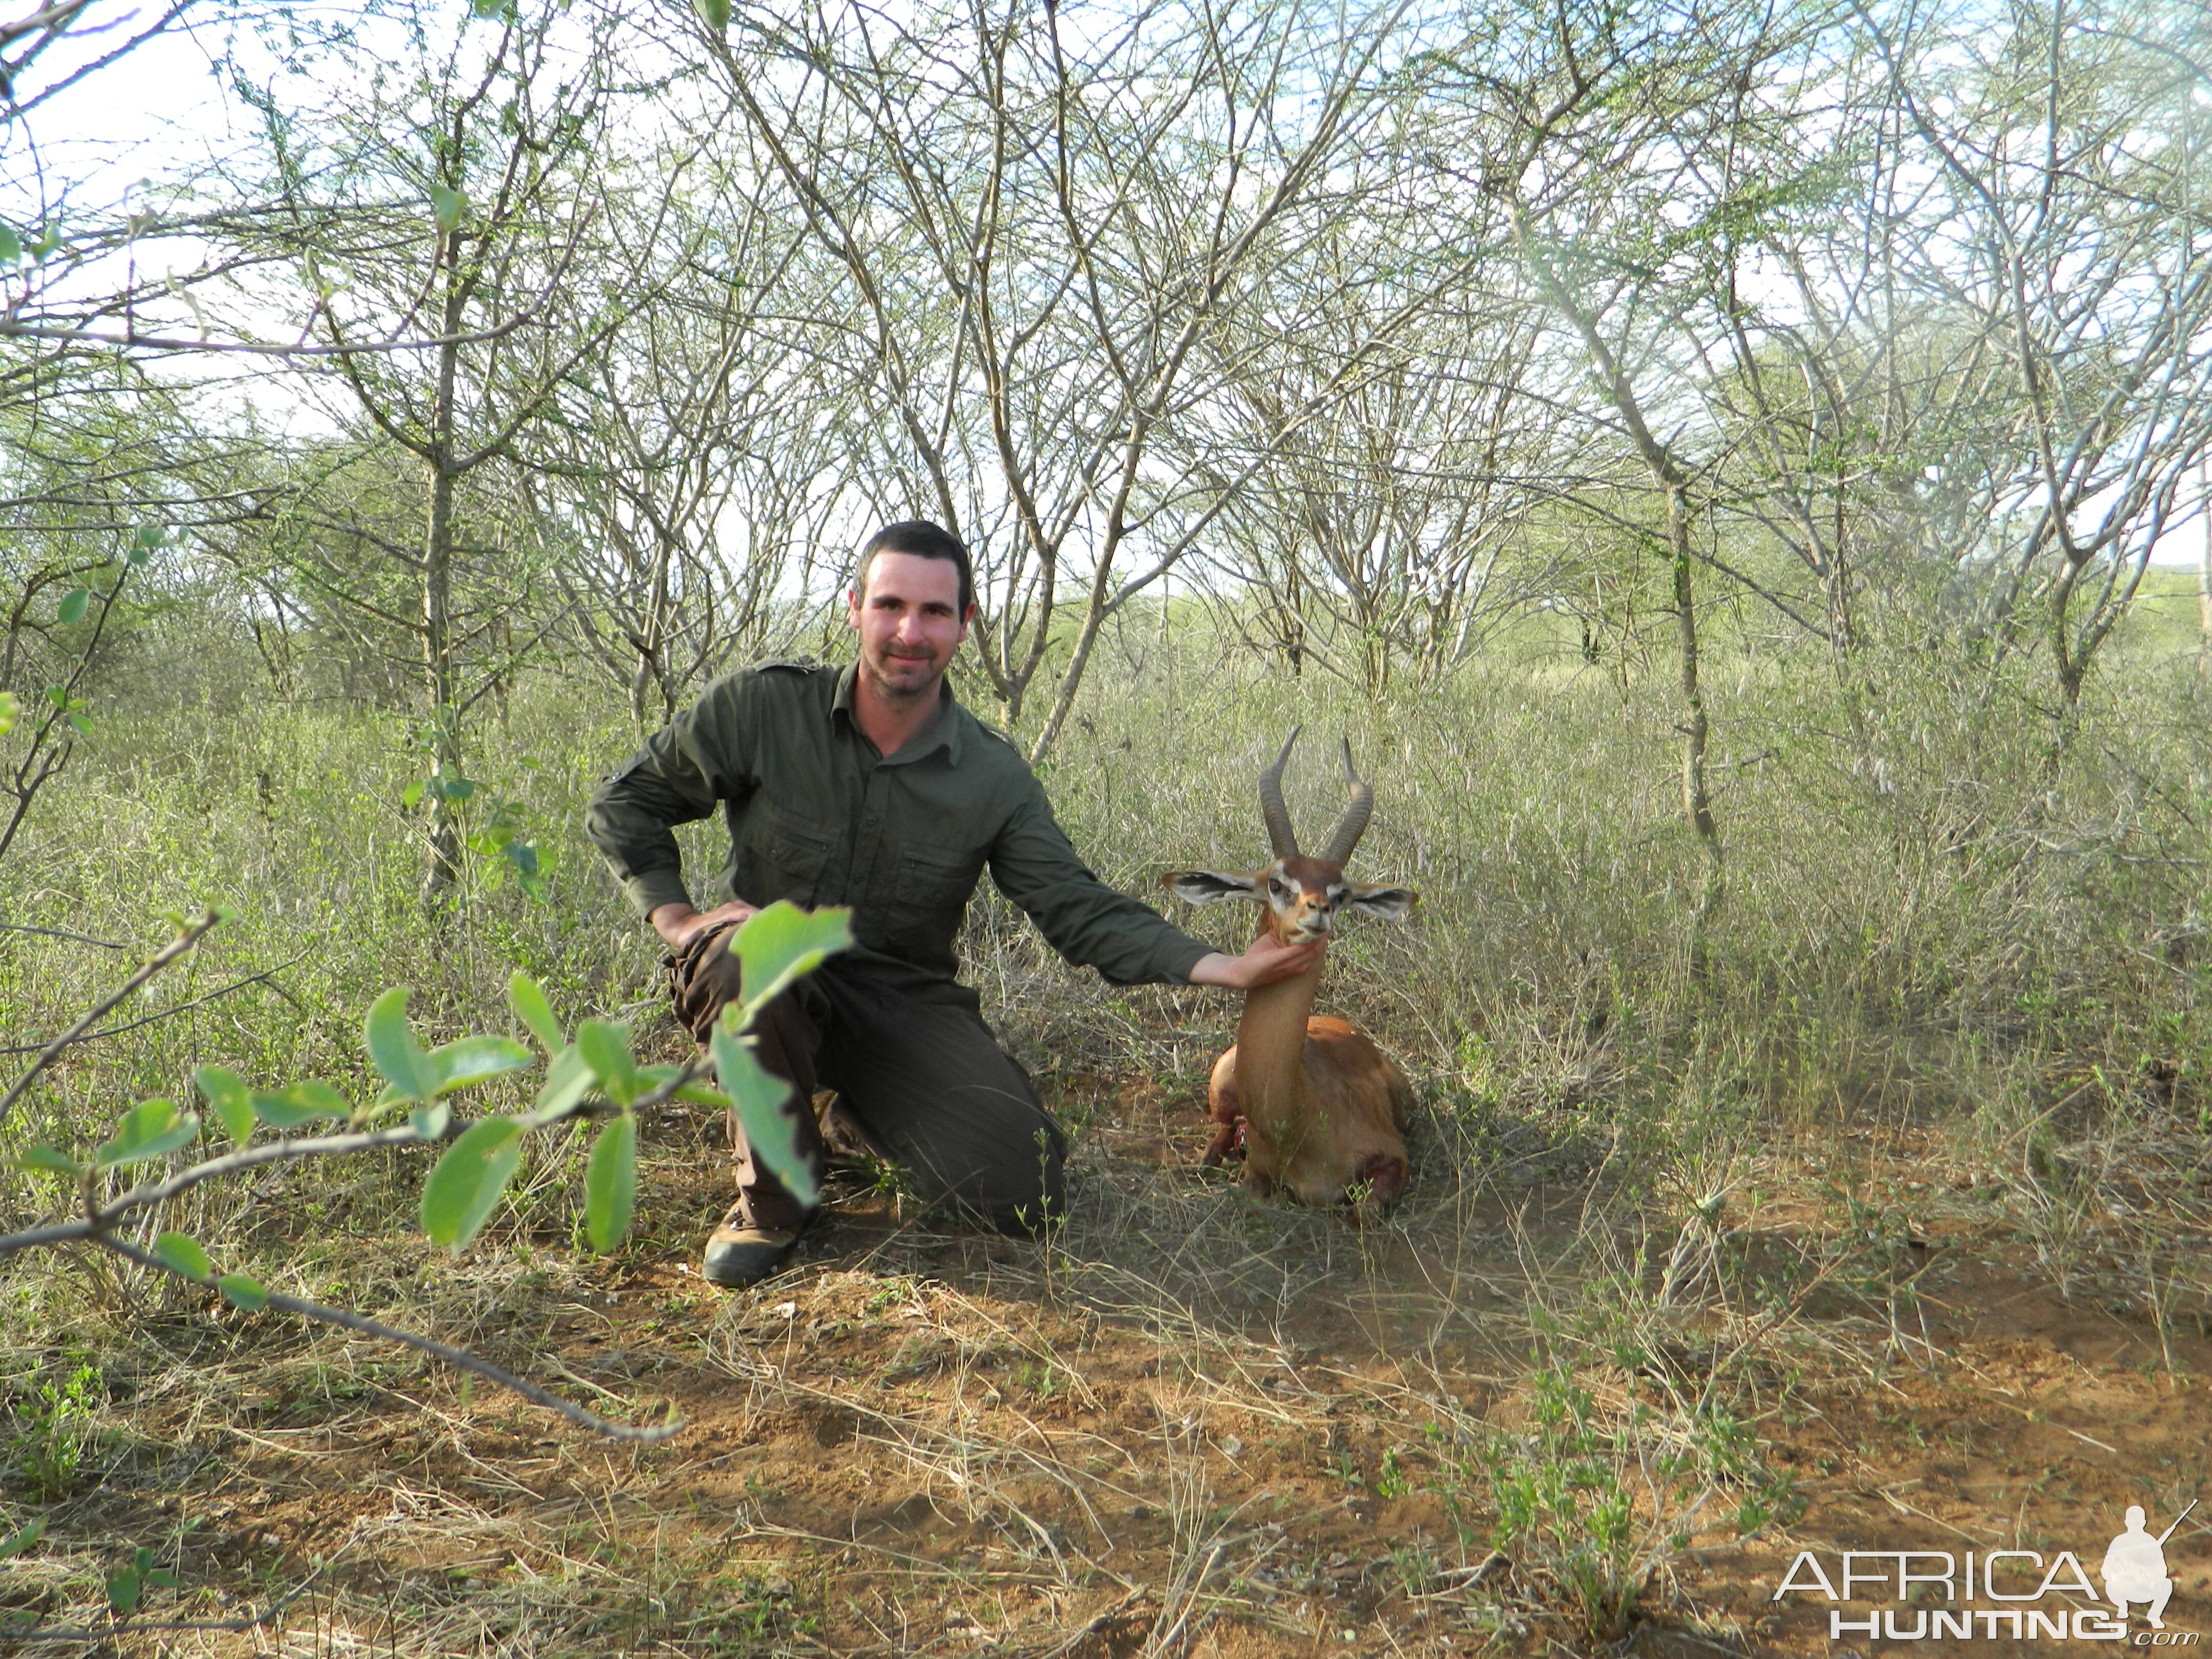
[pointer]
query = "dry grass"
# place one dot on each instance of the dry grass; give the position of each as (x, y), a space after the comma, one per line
(1871, 1231)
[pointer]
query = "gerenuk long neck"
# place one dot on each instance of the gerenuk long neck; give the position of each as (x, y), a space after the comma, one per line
(1271, 1046)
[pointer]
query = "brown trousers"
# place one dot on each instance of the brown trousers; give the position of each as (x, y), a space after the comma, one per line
(917, 1073)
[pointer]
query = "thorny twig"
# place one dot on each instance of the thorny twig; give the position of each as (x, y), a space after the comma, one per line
(61, 933)
(167, 956)
(164, 1013)
(346, 1318)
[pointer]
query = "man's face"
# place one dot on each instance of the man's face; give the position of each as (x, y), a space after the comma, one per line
(909, 623)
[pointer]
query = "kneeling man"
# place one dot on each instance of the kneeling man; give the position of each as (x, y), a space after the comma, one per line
(870, 786)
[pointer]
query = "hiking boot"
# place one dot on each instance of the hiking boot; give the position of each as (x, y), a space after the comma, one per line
(739, 1254)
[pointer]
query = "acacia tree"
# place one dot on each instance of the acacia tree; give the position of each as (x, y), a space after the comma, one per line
(1632, 152)
(1390, 525)
(101, 470)
(1055, 256)
(101, 458)
(2064, 232)
(679, 482)
(448, 187)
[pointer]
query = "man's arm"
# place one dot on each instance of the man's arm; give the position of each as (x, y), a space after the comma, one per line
(1093, 925)
(698, 759)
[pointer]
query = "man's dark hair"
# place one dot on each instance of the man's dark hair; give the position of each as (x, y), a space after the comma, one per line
(924, 540)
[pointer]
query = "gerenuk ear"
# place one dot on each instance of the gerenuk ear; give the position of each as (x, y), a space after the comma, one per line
(1209, 886)
(1395, 903)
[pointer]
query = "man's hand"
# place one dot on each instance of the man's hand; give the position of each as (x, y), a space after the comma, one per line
(1264, 962)
(677, 923)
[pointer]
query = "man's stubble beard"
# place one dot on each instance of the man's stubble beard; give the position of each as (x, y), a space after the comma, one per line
(898, 697)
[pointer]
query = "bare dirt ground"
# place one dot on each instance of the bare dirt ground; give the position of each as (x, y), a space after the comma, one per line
(1192, 1425)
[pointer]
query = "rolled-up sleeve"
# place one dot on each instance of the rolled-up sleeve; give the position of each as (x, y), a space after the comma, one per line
(700, 758)
(1085, 920)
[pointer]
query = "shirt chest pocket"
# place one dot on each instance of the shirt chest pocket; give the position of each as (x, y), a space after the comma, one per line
(788, 853)
(928, 878)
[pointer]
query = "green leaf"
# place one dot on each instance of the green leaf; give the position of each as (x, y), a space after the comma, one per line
(464, 1188)
(10, 712)
(122, 1587)
(430, 1122)
(147, 1130)
(48, 1157)
(26, 1536)
(784, 942)
(412, 796)
(11, 245)
(82, 727)
(530, 864)
(184, 1255)
(225, 1091)
(716, 14)
(476, 1059)
(303, 1102)
(605, 1048)
(759, 1098)
(392, 1048)
(243, 1292)
(74, 604)
(530, 1007)
(150, 536)
(568, 1080)
(448, 205)
(611, 1183)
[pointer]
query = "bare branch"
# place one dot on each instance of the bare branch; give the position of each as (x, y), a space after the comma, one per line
(170, 954)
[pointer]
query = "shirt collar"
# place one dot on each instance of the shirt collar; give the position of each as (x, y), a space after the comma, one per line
(943, 731)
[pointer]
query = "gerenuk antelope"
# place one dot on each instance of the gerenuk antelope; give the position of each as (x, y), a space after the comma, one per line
(1320, 1108)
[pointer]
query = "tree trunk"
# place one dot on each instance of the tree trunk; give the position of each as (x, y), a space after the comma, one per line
(1696, 802)
(442, 856)
(2073, 666)
(2204, 578)
(1668, 474)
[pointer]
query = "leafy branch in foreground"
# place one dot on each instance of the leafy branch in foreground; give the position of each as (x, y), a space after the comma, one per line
(595, 1074)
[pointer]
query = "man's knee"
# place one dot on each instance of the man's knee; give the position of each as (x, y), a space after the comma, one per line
(705, 978)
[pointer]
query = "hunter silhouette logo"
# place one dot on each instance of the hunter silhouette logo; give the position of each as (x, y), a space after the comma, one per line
(2036, 1600)
(2135, 1567)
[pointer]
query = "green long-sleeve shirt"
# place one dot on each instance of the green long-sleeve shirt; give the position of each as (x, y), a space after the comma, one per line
(818, 816)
